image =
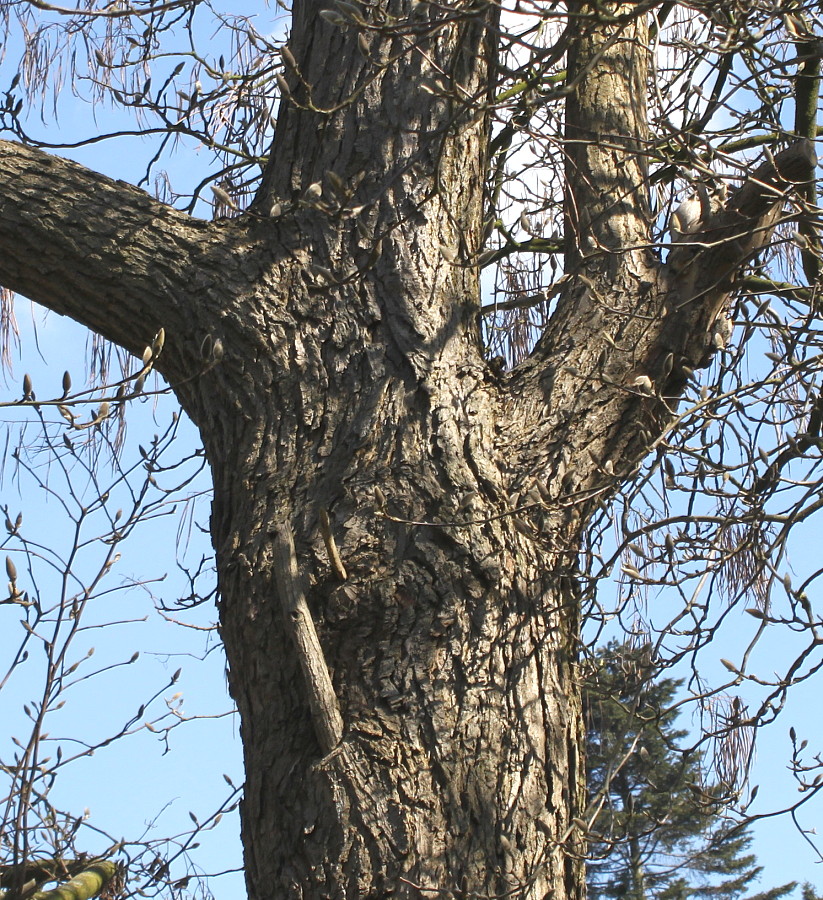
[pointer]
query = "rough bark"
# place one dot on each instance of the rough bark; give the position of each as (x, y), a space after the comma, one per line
(352, 382)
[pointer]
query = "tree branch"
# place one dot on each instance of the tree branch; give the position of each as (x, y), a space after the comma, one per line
(325, 712)
(105, 253)
(703, 271)
(607, 205)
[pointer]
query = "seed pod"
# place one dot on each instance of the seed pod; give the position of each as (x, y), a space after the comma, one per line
(333, 17)
(314, 191)
(337, 184)
(223, 196)
(288, 57)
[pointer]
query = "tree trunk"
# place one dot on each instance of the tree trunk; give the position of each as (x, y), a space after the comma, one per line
(450, 650)
(327, 346)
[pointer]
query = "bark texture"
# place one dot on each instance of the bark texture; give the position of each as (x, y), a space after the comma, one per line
(352, 383)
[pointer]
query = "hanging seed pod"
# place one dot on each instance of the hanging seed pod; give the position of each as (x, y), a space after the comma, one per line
(288, 57)
(314, 192)
(223, 196)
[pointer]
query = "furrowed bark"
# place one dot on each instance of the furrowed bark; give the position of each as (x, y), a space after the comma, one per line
(352, 384)
(451, 621)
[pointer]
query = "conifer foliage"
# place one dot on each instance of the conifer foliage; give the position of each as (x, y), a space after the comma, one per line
(661, 833)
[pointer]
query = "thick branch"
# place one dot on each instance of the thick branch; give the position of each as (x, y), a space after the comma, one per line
(88, 884)
(98, 250)
(396, 130)
(630, 359)
(703, 272)
(606, 140)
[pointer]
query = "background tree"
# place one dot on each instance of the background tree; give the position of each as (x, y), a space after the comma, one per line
(408, 535)
(660, 831)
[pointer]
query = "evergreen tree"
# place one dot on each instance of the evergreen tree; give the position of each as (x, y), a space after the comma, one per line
(660, 833)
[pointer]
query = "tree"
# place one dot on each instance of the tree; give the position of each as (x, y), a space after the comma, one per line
(660, 832)
(405, 532)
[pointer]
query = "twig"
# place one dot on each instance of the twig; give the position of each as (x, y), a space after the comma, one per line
(331, 546)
